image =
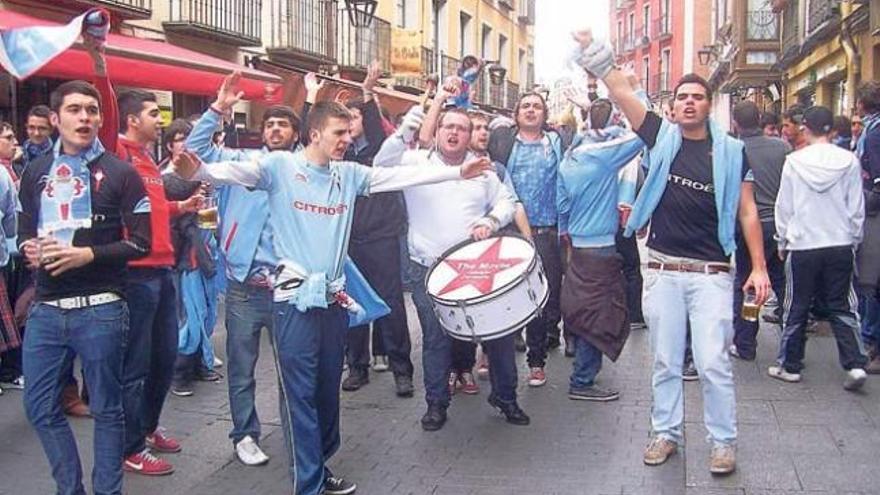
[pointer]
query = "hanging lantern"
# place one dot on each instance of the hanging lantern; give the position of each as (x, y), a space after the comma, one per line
(497, 74)
(361, 12)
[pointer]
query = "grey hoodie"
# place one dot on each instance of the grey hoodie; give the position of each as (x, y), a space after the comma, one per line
(820, 202)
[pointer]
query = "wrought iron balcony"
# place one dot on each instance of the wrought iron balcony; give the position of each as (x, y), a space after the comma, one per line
(124, 9)
(662, 26)
(448, 66)
(303, 32)
(512, 90)
(359, 46)
(235, 22)
(659, 84)
(526, 12)
(790, 30)
(820, 13)
(762, 25)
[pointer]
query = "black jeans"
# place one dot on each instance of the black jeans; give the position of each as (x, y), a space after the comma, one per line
(628, 248)
(379, 261)
(547, 323)
(746, 332)
(822, 277)
(464, 356)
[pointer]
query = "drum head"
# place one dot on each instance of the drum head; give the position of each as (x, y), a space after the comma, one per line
(476, 269)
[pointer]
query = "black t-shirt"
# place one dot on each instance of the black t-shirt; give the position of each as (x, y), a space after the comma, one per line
(685, 222)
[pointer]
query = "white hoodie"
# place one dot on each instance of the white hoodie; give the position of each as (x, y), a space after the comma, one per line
(820, 202)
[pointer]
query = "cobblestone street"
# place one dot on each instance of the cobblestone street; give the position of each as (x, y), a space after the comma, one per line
(812, 437)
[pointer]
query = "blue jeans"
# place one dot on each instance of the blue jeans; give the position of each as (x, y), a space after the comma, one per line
(309, 349)
(869, 310)
(53, 338)
(587, 363)
(150, 352)
(671, 300)
(248, 311)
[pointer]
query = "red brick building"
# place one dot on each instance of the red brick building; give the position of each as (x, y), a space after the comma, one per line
(660, 39)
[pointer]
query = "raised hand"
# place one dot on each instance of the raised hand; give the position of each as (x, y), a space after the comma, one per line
(475, 168)
(373, 74)
(411, 123)
(229, 93)
(186, 164)
(313, 86)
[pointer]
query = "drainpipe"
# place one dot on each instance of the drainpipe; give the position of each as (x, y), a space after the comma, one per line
(853, 61)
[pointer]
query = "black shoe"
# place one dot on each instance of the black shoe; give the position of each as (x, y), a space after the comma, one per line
(356, 379)
(593, 393)
(772, 318)
(519, 343)
(182, 388)
(338, 486)
(689, 373)
(403, 385)
(511, 411)
(434, 418)
(569, 347)
(553, 342)
(206, 375)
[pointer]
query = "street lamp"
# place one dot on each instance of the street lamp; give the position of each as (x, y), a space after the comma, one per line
(705, 54)
(361, 12)
(496, 74)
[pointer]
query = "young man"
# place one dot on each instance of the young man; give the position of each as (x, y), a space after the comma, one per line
(9, 335)
(792, 126)
(39, 131)
(84, 215)
(246, 245)
(593, 296)
(441, 216)
(819, 215)
(697, 186)
(770, 124)
(766, 155)
(532, 155)
(311, 196)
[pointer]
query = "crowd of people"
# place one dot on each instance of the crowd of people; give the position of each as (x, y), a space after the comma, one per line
(108, 259)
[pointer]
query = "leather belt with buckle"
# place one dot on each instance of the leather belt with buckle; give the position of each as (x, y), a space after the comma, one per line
(544, 230)
(78, 302)
(689, 267)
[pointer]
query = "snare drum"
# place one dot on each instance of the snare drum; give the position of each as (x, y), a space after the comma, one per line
(484, 290)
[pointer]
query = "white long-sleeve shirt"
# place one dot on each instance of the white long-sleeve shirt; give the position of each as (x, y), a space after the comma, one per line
(442, 215)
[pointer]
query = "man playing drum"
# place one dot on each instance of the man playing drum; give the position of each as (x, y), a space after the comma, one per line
(441, 217)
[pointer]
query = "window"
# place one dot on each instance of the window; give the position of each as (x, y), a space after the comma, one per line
(521, 68)
(646, 21)
(503, 59)
(665, 69)
(619, 46)
(465, 36)
(486, 49)
(400, 13)
(631, 30)
(646, 72)
(760, 58)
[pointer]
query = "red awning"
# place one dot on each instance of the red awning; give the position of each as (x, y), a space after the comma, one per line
(151, 64)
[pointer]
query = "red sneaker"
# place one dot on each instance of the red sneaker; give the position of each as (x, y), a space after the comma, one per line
(468, 384)
(147, 464)
(160, 442)
(537, 377)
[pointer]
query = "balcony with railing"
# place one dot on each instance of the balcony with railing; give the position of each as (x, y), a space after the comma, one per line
(448, 66)
(762, 25)
(120, 9)
(526, 12)
(357, 47)
(662, 27)
(512, 94)
(235, 22)
(660, 84)
(418, 81)
(629, 44)
(821, 12)
(303, 32)
(790, 31)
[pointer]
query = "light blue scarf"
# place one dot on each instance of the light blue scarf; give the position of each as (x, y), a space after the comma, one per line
(66, 201)
(727, 161)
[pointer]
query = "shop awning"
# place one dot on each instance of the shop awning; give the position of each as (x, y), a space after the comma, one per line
(151, 64)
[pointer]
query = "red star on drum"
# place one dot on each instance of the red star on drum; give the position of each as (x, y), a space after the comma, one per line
(479, 272)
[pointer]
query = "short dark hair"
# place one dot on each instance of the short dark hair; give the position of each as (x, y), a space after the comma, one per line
(177, 126)
(819, 120)
(843, 126)
(41, 111)
(769, 118)
(458, 111)
(693, 79)
(479, 116)
(6, 126)
(795, 113)
(131, 102)
(868, 93)
(356, 103)
(746, 115)
(281, 112)
(56, 99)
(600, 113)
(323, 111)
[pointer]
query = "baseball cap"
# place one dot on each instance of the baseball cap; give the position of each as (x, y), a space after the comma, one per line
(819, 120)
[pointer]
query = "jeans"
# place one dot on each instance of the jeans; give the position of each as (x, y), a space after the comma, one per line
(150, 352)
(869, 310)
(587, 363)
(745, 333)
(671, 300)
(248, 311)
(822, 278)
(437, 350)
(309, 349)
(464, 356)
(54, 337)
(547, 323)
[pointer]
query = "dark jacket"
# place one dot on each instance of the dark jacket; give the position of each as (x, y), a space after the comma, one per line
(191, 253)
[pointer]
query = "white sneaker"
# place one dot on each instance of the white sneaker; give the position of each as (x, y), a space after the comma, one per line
(380, 363)
(249, 453)
(779, 373)
(217, 362)
(855, 378)
(17, 384)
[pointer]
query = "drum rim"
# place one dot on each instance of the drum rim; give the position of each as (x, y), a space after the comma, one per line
(499, 291)
(500, 333)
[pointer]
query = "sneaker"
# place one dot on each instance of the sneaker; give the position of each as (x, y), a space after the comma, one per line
(722, 460)
(380, 363)
(537, 378)
(659, 450)
(483, 368)
(160, 442)
(855, 378)
(338, 486)
(1, 391)
(772, 318)
(249, 453)
(453, 382)
(147, 464)
(182, 388)
(468, 383)
(218, 363)
(553, 341)
(689, 373)
(434, 418)
(593, 393)
(206, 375)
(569, 347)
(519, 343)
(403, 386)
(780, 373)
(873, 367)
(735, 353)
(15, 384)
(637, 325)
(356, 379)
(511, 411)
